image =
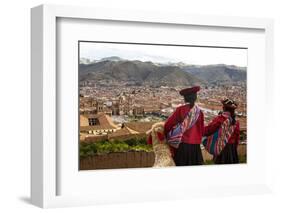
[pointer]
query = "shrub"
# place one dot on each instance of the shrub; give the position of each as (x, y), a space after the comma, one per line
(105, 147)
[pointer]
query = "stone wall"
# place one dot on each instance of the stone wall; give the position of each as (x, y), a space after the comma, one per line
(133, 159)
(118, 160)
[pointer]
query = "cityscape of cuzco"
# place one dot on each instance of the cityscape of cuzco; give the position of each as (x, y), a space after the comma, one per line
(107, 105)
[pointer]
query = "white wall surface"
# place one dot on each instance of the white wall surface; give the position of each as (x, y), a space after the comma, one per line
(15, 104)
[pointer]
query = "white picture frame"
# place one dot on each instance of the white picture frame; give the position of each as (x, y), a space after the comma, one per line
(44, 149)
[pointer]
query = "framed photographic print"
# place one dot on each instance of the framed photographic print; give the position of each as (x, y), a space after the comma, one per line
(149, 106)
(132, 95)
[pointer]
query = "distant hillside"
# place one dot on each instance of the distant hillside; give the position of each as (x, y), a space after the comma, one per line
(148, 73)
(143, 73)
(218, 73)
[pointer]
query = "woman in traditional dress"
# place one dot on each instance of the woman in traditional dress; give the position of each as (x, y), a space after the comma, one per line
(190, 120)
(222, 135)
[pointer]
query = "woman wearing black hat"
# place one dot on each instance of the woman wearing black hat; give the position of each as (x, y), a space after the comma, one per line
(223, 135)
(184, 130)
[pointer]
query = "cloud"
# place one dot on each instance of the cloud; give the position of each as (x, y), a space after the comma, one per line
(165, 54)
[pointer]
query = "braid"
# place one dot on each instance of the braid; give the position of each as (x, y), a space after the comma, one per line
(190, 98)
(232, 114)
(233, 119)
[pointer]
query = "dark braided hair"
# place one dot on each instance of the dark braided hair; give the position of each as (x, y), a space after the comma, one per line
(232, 114)
(190, 98)
(230, 106)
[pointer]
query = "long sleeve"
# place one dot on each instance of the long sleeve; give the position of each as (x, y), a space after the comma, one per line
(149, 139)
(194, 134)
(202, 122)
(213, 126)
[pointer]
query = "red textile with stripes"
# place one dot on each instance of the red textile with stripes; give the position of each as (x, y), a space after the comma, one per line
(216, 123)
(192, 135)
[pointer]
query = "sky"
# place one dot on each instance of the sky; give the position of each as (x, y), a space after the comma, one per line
(165, 54)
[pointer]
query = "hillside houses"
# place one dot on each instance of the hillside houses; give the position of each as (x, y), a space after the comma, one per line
(97, 124)
(100, 126)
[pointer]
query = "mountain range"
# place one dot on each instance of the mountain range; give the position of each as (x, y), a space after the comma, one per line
(149, 73)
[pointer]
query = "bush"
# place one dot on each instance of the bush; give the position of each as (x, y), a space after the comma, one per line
(136, 141)
(105, 147)
(87, 149)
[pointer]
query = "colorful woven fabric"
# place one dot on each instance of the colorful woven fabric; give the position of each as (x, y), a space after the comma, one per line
(215, 143)
(174, 137)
